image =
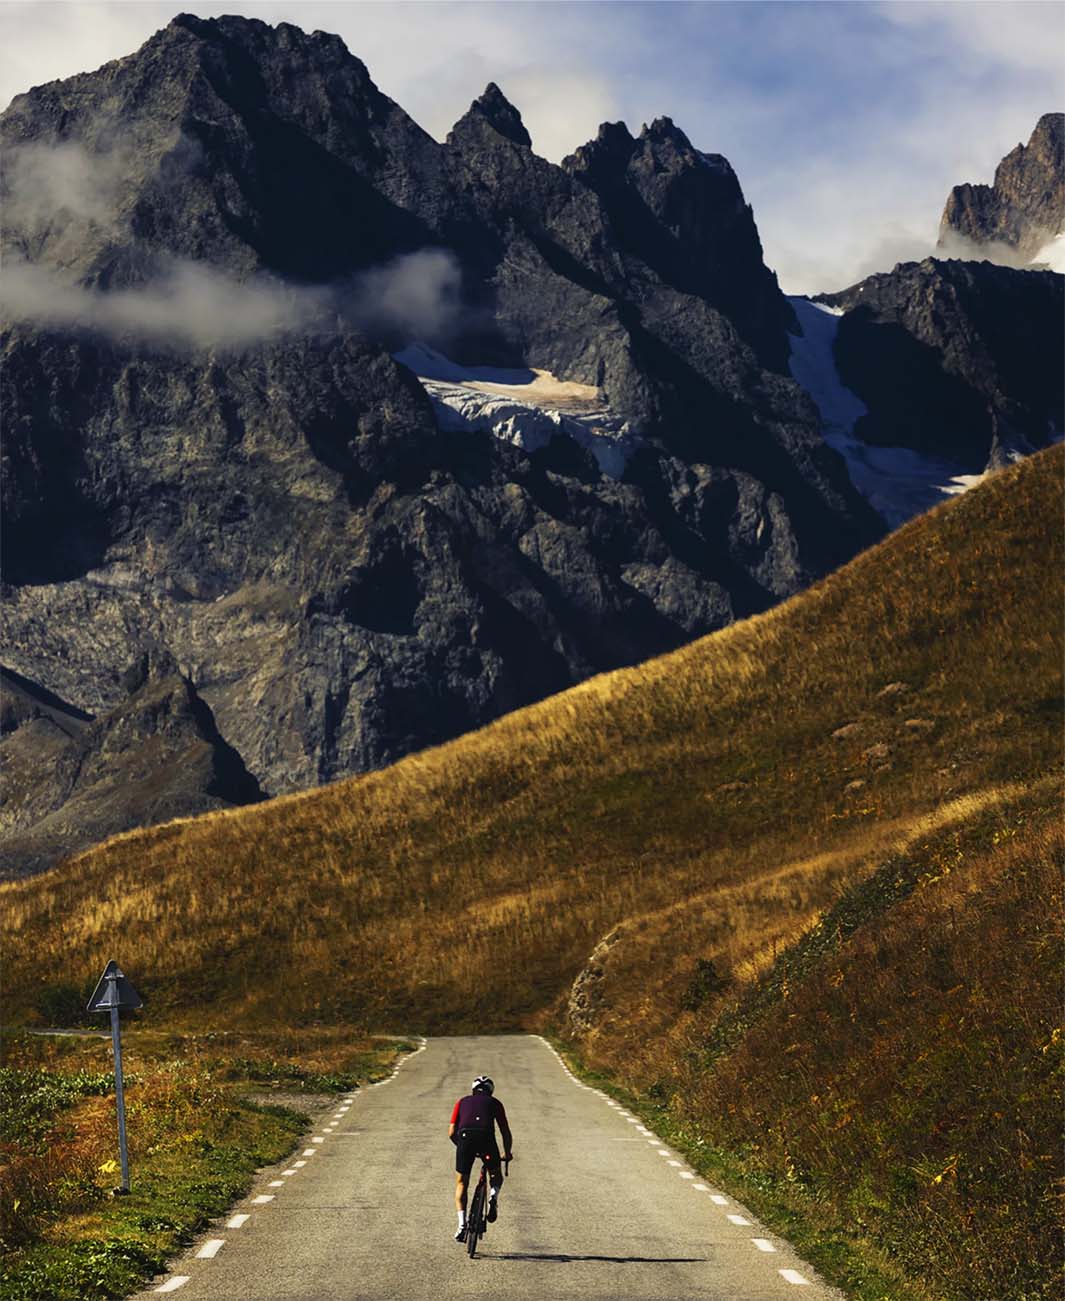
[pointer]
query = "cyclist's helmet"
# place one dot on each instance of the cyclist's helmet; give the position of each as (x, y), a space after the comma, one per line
(482, 1084)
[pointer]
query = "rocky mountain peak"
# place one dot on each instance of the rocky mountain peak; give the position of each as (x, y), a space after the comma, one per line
(1012, 220)
(494, 109)
(682, 211)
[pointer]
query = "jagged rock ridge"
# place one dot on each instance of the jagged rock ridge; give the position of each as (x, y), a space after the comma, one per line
(1022, 211)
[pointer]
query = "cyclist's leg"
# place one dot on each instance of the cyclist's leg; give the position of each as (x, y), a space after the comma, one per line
(495, 1168)
(460, 1191)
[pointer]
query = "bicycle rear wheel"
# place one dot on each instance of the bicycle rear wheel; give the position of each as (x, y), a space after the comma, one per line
(475, 1219)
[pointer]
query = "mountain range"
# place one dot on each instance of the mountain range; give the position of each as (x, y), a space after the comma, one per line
(325, 441)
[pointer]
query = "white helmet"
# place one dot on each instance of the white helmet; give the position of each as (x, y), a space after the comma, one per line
(482, 1084)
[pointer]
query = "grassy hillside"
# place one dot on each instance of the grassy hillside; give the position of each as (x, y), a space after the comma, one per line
(820, 845)
(474, 879)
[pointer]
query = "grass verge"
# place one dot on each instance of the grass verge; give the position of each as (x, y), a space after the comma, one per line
(201, 1120)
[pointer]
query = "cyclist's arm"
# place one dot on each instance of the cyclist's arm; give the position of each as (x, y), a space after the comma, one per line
(454, 1118)
(504, 1129)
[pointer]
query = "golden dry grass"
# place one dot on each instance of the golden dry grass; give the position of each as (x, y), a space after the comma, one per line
(710, 775)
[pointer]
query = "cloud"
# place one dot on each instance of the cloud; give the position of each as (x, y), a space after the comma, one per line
(418, 296)
(43, 182)
(192, 305)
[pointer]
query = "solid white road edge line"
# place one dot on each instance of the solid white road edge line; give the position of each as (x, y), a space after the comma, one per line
(210, 1248)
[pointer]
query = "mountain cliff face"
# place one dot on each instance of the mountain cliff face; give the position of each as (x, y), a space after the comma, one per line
(216, 248)
(1022, 211)
(951, 358)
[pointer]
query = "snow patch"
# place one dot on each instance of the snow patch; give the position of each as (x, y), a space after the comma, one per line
(896, 481)
(527, 408)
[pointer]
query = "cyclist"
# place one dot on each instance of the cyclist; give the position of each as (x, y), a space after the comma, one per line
(472, 1130)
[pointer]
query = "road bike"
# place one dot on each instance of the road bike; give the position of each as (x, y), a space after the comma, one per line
(477, 1216)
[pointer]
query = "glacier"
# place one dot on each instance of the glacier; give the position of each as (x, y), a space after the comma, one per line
(521, 406)
(898, 482)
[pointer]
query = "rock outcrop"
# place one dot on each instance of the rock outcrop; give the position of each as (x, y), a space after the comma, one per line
(951, 357)
(69, 781)
(1016, 217)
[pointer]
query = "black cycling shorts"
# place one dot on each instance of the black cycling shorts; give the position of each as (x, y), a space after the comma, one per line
(474, 1143)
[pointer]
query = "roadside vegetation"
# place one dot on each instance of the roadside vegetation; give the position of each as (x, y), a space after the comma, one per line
(203, 1114)
(803, 873)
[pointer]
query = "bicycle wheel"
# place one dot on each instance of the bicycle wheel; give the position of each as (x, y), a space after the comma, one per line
(475, 1219)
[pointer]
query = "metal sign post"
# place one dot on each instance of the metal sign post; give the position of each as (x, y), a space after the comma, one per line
(114, 992)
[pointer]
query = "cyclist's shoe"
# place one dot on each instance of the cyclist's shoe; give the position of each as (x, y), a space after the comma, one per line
(493, 1209)
(460, 1234)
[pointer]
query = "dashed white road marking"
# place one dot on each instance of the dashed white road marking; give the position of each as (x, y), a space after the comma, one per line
(286, 1173)
(309, 1151)
(276, 1183)
(762, 1244)
(262, 1199)
(318, 1138)
(210, 1248)
(237, 1221)
(172, 1284)
(299, 1164)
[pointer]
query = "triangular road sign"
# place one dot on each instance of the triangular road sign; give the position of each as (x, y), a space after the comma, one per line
(114, 990)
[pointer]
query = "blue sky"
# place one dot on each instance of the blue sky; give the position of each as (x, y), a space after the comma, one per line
(847, 122)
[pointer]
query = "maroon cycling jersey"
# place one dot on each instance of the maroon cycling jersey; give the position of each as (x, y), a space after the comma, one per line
(479, 1111)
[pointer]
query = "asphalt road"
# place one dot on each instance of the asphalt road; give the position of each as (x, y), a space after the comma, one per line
(595, 1205)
